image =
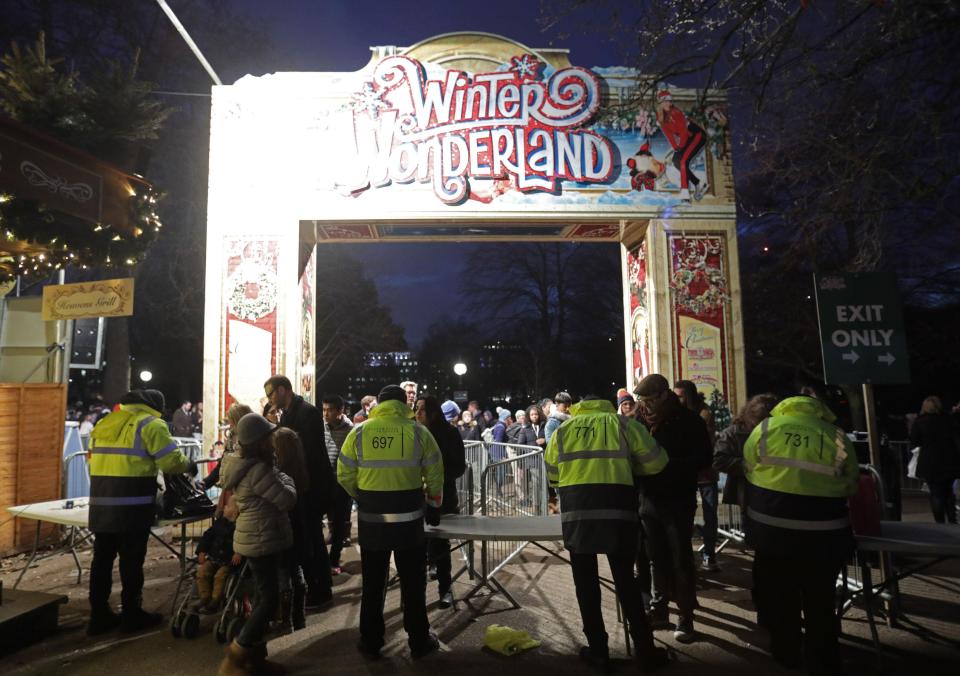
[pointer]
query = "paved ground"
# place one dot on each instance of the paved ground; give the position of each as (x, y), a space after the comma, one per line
(929, 639)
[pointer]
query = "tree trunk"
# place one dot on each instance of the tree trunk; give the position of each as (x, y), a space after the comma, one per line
(116, 372)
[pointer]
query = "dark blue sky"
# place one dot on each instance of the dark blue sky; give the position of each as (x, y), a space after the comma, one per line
(419, 281)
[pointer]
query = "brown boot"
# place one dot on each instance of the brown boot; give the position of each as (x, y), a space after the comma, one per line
(236, 661)
(261, 665)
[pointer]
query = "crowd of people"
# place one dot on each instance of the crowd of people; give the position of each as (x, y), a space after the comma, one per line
(626, 480)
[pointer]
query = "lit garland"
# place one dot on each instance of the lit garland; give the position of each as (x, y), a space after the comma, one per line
(37, 241)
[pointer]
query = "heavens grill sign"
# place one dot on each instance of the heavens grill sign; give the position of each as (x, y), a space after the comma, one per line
(106, 298)
(477, 137)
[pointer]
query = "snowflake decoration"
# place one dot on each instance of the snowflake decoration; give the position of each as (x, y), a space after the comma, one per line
(525, 67)
(369, 99)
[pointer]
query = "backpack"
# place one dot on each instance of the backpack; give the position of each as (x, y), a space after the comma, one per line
(487, 435)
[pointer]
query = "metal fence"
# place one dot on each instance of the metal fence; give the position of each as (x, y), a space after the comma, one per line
(513, 483)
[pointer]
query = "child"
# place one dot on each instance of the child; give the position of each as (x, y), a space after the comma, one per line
(263, 495)
(293, 588)
(215, 555)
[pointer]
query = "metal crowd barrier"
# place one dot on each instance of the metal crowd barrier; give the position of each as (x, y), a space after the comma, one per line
(513, 486)
(730, 525)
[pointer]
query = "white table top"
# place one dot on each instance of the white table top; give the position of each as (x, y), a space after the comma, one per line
(926, 539)
(55, 511)
(513, 528)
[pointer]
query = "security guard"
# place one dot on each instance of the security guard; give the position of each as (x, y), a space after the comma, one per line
(384, 464)
(127, 448)
(800, 469)
(592, 459)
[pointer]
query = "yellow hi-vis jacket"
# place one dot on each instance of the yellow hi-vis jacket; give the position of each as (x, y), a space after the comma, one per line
(391, 464)
(592, 459)
(127, 448)
(800, 468)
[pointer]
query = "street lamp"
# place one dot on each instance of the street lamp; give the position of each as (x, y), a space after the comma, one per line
(146, 376)
(460, 368)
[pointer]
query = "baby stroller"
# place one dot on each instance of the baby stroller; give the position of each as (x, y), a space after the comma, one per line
(235, 607)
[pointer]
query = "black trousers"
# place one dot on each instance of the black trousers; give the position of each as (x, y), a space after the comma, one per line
(316, 563)
(375, 567)
(439, 551)
(668, 529)
(788, 587)
(339, 523)
(132, 549)
(265, 571)
(943, 503)
(587, 582)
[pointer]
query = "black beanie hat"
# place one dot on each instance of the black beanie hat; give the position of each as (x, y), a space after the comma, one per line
(152, 398)
(392, 393)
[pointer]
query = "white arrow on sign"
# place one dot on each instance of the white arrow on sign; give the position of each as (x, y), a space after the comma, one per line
(851, 356)
(887, 358)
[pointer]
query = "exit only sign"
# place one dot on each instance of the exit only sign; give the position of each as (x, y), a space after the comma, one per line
(861, 329)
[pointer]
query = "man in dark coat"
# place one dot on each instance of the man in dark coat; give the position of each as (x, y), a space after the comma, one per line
(307, 421)
(669, 501)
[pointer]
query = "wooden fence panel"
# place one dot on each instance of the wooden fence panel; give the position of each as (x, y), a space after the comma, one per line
(31, 451)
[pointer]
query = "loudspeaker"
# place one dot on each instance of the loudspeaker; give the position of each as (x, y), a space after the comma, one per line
(87, 350)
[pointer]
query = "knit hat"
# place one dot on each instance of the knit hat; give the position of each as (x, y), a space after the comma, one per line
(252, 428)
(152, 398)
(450, 410)
(504, 415)
(664, 95)
(623, 395)
(392, 393)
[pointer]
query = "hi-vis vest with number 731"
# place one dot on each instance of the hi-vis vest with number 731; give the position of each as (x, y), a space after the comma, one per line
(387, 463)
(799, 452)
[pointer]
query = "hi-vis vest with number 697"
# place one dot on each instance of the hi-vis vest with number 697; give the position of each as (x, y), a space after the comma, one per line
(800, 469)
(386, 463)
(592, 459)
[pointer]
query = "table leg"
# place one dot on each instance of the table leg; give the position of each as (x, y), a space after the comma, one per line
(868, 598)
(33, 555)
(73, 551)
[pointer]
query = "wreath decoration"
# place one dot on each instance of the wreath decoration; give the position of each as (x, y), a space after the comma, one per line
(701, 289)
(249, 307)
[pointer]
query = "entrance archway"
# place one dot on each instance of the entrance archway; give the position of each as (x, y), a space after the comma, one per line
(467, 137)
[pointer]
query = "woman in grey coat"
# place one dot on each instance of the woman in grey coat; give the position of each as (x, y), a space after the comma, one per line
(263, 495)
(728, 448)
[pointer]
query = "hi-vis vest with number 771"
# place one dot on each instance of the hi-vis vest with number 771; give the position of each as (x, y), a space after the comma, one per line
(392, 466)
(592, 459)
(798, 452)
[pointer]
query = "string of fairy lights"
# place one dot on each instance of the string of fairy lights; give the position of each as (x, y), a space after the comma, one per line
(37, 241)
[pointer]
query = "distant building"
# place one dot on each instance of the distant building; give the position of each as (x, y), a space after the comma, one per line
(380, 369)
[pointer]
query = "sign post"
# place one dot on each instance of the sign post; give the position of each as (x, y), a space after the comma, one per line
(863, 341)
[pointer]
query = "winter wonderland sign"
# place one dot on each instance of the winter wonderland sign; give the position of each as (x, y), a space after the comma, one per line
(477, 137)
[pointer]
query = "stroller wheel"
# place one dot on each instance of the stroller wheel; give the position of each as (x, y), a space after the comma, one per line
(234, 628)
(190, 626)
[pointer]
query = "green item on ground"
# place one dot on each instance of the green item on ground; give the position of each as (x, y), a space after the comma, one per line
(507, 641)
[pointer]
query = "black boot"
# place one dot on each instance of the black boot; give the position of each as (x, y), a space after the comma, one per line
(137, 619)
(102, 620)
(652, 659)
(597, 657)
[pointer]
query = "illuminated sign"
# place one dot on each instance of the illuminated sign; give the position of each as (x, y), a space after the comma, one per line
(476, 137)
